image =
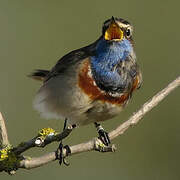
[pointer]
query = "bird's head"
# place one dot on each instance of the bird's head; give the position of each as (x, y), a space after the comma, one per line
(116, 29)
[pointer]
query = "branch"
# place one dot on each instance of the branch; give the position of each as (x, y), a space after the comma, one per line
(42, 140)
(3, 133)
(94, 144)
(154, 101)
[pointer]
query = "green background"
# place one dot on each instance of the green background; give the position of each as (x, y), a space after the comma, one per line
(35, 34)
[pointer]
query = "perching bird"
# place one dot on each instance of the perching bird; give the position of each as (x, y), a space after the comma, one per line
(93, 83)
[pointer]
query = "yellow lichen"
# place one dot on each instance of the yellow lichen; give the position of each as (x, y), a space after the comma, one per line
(4, 153)
(46, 132)
(99, 146)
(8, 159)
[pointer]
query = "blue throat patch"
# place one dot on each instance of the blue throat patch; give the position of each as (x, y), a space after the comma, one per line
(107, 56)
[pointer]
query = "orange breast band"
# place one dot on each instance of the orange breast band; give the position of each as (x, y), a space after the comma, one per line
(89, 87)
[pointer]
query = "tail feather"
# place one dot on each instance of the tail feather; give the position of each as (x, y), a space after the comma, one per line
(39, 74)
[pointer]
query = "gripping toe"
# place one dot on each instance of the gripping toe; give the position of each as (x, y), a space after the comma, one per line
(104, 137)
(60, 155)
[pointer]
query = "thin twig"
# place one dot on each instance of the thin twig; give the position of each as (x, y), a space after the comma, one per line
(49, 139)
(3, 133)
(96, 144)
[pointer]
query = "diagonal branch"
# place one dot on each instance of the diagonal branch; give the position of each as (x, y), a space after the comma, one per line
(96, 144)
(154, 101)
(3, 133)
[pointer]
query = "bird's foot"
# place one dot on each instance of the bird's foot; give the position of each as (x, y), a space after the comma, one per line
(103, 135)
(60, 154)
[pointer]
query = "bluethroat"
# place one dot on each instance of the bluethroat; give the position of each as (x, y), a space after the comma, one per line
(93, 83)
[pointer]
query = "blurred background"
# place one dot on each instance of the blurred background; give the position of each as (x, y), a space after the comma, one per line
(35, 34)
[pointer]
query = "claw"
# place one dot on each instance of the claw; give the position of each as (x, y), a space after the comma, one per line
(103, 135)
(59, 152)
(60, 156)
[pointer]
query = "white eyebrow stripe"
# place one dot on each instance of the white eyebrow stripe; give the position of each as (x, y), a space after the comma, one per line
(123, 25)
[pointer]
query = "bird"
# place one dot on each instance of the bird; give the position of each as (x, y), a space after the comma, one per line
(93, 83)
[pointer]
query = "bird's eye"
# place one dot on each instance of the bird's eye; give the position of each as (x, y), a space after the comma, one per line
(128, 32)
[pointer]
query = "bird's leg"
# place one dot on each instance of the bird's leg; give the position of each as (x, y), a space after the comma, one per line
(60, 155)
(103, 135)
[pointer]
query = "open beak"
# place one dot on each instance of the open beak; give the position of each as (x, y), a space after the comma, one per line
(113, 32)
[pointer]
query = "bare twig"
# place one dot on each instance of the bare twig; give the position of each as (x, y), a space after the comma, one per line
(96, 144)
(3, 133)
(134, 119)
